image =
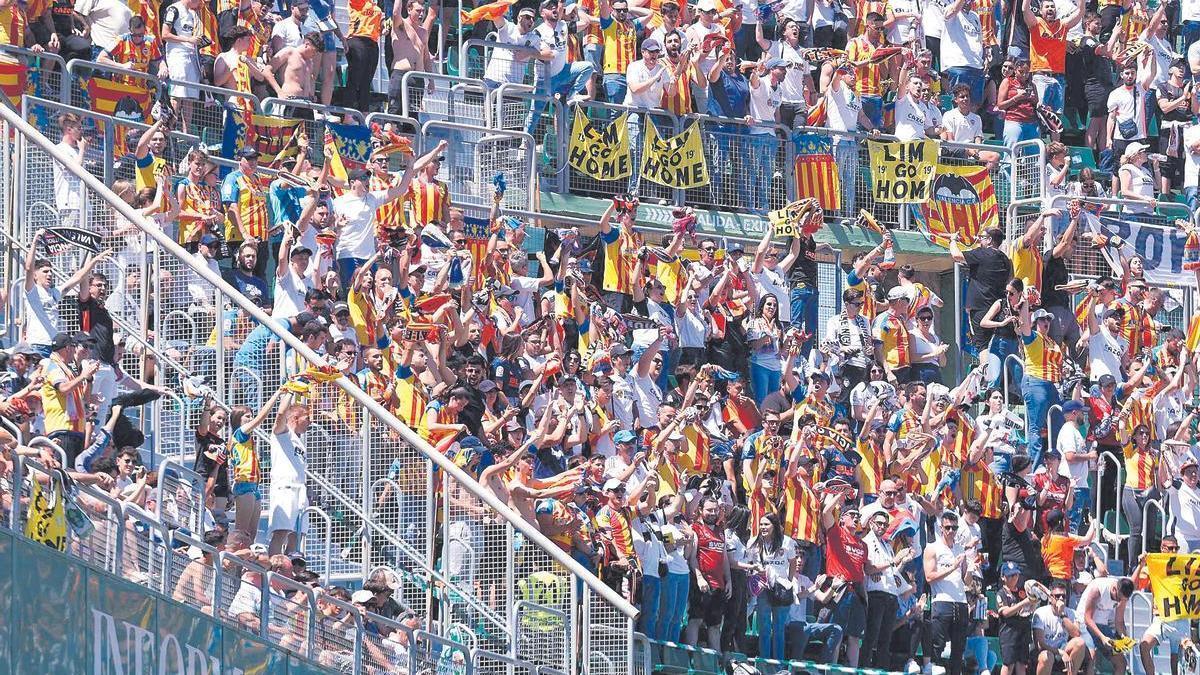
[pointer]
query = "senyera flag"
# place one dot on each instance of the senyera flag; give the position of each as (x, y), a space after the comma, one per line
(123, 100)
(816, 171)
(13, 80)
(964, 202)
(273, 137)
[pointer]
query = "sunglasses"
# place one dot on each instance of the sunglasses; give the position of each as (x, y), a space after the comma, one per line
(949, 528)
(1059, 596)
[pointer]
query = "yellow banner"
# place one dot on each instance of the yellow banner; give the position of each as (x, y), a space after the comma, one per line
(677, 162)
(598, 150)
(902, 171)
(1175, 582)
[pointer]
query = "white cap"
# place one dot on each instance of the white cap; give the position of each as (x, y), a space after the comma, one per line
(1134, 148)
(897, 293)
(361, 596)
(706, 5)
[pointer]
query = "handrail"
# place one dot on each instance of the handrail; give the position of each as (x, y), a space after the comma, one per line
(1105, 458)
(216, 566)
(529, 530)
(1050, 431)
(278, 580)
(1146, 508)
(42, 441)
(465, 48)
(74, 64)
(131, 511)
(13, 429)
(494, 116)
(1116, 201)
(405, 81)
(1004, 374)
(263, 587)
(328, 540)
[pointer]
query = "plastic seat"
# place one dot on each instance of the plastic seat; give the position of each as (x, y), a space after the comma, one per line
(674, 658)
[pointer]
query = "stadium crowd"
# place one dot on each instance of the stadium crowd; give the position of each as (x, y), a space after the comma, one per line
(670, 412)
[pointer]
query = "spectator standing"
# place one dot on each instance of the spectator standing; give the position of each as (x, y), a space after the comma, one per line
(1056, 633)
(846, 559)
(508, 64)
(709, 51)
(362, 51)
(621, 33)
(946, 568)
(710, 563)
(1017, 98)
(1127, 111)
(845, 112)
(962, 48)
(289, 494)
(182, 35)
(1048, 52)
(883, 601)
(766, 101)
(774, 555)
(796, 87)
(554, 75)
(410, 48)
(1102, 610)
(870, 72)
(1015, 608)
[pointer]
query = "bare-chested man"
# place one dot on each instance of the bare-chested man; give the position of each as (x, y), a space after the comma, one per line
(410, 47)
(234, 69)
(298, 68)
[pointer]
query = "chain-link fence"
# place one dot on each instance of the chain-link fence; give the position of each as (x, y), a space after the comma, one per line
(44, 76)
(747, 164)
(192, 572)
(580, 183)
(432, 97)
(489, 663)
(511, 109)
(475, 157)
(607, 637)
(497, 62)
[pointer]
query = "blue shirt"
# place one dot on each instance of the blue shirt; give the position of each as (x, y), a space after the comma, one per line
(283, 203)
(230, 190)
(252, 354)
(729, 96)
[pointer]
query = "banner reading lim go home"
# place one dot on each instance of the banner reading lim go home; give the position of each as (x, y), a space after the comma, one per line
(58, 615)
(902, 171)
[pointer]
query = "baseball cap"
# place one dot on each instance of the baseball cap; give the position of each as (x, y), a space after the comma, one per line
(1009, 568)
(248, 152)
(613, 484)
(524, 383)
(1188, 462)
(1041, 314)
(299, 250)
(359, 174)
(624, 436)
(776, 63)
(1134, 148)
(897, 293)
(736, 247)
(360, 597)
(618, 350)
(208, 239)
(487, 385)
(1107, 380)
(651, 45)
(1072, 406)
(24, 348)
(340, 308)
(61, 341)
(505, 292)
(706, 6)
(526, 11)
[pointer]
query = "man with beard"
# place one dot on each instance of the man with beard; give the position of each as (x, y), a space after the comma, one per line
(710, 563)
(242, 276)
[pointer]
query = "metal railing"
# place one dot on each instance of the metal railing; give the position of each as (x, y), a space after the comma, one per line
(476, 156)
(475, 58)
(1105, 459)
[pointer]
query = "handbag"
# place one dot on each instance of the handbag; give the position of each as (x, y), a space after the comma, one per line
(1128, 129)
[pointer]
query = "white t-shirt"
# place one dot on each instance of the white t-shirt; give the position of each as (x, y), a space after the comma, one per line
(109, 20)
(649, 397)
(289, 294)
(554, 37)
(903, 31)
(40, 307)
(1104, 353)
(184, 22)
(623, 399)
(912, 119)
(1070, 440)
(1189, 10)
(963, 128)
(765, 100)
(639, 72)
(931, 17)
(774, 282)
(793, 82)
(288, 463)
(1051, 625)
(68, 188)
(1164, 54)
(357, 238)
(1191, 160)
(950, 588)
(842, 106)
(962, 41)
(289, 32)
(778, 563)
(1128, 104)
(1141, 183)
(526, 288)
(502, 67)
(695, 35)
(794, 9)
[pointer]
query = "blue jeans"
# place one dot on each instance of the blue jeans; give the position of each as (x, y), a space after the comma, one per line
(804, 301)
(872, 107)
(1081, 505)
(346, 268)
(673, 602)
(615, 87)
(648, 621)
(772, 629)
(1190, 195)
(972, 77)
(1015, 132)
(763, 381)
(569, 81)
(845, 153)
(1051, 90)
(800, 633)
(926, 372)
(760, 150)
(998, 349)
(1039, 396)
(594, 54)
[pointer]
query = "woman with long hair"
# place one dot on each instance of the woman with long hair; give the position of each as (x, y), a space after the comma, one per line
(764, 335)
(929, 352)
(773, 555)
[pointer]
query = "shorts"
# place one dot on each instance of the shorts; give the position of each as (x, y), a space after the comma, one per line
(1108, 632)
(240, 489)
(288, 503)
(183, 68)
(708, 607)
(1096, 96)
(1171, 633)
(1015, 639)
(851, 615)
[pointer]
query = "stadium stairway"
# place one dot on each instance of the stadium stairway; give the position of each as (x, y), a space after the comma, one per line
(465, 587)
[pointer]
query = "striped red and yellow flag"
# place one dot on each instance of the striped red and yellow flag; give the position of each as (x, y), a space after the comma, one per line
(13, 80)
(411, 406)
(1193, 334)
(963, 202)
(816, 171)
(696, 456)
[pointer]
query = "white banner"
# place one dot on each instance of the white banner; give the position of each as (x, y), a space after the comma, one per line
(1159, 246)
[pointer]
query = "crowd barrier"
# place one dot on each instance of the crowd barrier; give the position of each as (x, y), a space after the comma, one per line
(342, 470)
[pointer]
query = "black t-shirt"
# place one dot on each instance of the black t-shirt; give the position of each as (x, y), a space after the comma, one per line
(988, 270)
(62, 13)
(472, 414)
(95, 320)
(804, 270)
(1023, 550)
(211, 462)
(1014, 625)
(1097, 70)
(1054, 272)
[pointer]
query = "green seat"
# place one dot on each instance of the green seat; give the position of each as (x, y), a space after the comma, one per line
(706, 662)
(1114, 523)
(675, 659)
(994, 647)
(1082, 158)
